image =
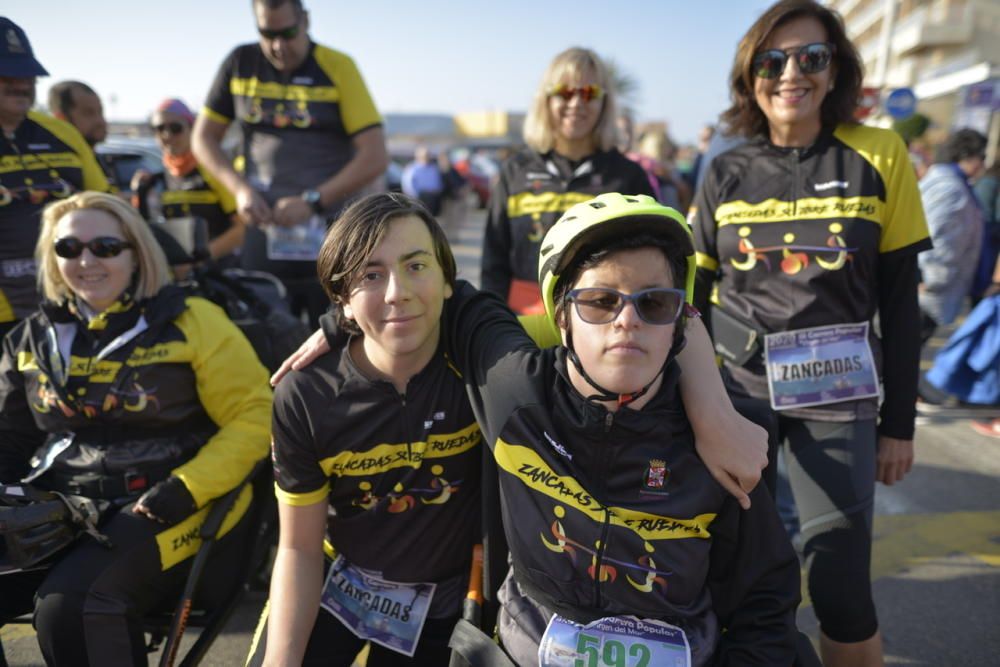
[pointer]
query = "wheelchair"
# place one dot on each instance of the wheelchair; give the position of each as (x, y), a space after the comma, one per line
(203, 605)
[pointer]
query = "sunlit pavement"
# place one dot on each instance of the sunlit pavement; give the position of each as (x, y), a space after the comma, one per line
(936, 560)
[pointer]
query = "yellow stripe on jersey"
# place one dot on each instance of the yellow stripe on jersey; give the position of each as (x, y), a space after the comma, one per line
(385, 457)
(37, 162)
(904, 222)
(178, 543)
(215, 116)
(93, 175)
(6, 310)
(703, 261)
(809, 208)
(189, 197)
(254, 87)
(528, 203)
(525, 464)
(302, 499)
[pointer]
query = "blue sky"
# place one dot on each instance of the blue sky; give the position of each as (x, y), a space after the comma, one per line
(429, 56)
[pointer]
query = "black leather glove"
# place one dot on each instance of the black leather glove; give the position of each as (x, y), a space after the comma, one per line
(168, 502)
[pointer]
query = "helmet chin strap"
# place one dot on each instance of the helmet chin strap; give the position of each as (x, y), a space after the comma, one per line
(605, 395)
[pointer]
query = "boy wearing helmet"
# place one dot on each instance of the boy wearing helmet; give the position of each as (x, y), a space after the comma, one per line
(620, 539)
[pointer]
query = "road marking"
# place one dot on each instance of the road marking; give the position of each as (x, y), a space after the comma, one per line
(902, 541)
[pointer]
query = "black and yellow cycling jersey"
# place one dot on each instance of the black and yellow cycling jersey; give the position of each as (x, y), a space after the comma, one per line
(169, 381)
(532, 192)
(614, 513)
(44, 160)
(297, 127)
(795, 238)
(198, 194)
(401, 472)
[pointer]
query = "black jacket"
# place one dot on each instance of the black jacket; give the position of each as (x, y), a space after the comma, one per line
(614, 513)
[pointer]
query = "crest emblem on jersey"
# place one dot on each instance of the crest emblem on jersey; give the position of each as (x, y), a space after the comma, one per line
(657, 476)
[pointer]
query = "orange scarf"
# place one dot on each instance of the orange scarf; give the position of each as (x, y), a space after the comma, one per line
(179, 165)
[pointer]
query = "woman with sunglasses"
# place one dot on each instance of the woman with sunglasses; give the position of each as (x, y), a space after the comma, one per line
(188, 189)
(122, 388)
(804, 235)
(570, 134)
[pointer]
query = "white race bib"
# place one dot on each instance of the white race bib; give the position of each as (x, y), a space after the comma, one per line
(615, 641)
(820, 365)
(385, 612)
(298, 243)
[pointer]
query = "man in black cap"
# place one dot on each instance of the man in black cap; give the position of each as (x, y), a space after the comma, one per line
(41, 159)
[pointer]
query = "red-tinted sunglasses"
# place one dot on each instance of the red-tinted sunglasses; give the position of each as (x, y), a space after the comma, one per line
(587, 93)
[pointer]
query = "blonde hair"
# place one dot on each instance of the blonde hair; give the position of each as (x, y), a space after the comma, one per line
(151, 264)
(571, 63)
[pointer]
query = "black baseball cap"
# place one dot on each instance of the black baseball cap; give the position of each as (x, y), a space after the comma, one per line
(16, 57)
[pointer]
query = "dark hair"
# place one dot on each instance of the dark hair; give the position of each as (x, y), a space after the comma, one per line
(745, 117)
(591, 255)
(960, 145)
(275, 4)
(61, 95)
(353, 237)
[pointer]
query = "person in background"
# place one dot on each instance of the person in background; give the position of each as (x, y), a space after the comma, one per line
(312, 140)
(48, 160)
(76, 103)
(805, 233)
(190, 190)
(123, 388)
(423, 180)
(955, 219)
(570, 157)
(987, 190)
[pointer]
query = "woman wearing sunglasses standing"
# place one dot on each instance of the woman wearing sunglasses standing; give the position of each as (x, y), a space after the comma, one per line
(571, 156)
(121, 388)
(190, 190)
(804, 235)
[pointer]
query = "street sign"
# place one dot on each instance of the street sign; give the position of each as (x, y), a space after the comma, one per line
(901, 103)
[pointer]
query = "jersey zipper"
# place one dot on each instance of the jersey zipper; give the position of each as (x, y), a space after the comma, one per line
(406, 429)
(609, 420)
(795, 183)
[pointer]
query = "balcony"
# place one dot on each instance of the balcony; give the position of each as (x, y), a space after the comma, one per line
(930, 26)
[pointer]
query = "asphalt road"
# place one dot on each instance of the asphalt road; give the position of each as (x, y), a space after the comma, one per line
(936, 559)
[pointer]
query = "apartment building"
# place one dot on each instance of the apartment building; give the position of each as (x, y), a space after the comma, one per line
(939, 48)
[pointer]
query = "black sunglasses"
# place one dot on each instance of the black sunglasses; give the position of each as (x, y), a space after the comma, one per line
(281, 33)
(601, 305)
(811, 58)
(70, 247)
(172, 128)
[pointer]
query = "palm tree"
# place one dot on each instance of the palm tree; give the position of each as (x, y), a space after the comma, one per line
(626, 86)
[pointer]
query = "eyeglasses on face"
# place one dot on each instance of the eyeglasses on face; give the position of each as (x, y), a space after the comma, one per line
(70, 247)
(811, 58)
(281, 33)
(587, 93)
(601, 305)
(170, 128)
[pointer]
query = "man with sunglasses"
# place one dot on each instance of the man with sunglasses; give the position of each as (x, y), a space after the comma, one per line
(45, 159)
(311, 139)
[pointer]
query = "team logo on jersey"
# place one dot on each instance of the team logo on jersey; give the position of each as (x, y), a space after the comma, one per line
(843, 185)
(656, 477)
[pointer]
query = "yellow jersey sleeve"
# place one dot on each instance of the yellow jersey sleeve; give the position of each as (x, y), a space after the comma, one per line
(357, 109)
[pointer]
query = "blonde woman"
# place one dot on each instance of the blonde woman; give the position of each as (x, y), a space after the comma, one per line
(122, 388)
(570, 157)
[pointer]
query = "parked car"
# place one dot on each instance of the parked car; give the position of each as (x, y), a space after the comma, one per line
(480, 172)
(123, 156)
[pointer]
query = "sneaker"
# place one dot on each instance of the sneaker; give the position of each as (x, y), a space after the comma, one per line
(991, 429)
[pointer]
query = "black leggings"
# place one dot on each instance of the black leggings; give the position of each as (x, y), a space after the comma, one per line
(88, 607)
(331, 644)
(831, 467)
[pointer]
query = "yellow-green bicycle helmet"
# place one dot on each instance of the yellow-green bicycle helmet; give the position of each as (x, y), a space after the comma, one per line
(608, 216)
(603, 218)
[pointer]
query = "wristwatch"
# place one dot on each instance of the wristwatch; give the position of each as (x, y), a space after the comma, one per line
(314, 199)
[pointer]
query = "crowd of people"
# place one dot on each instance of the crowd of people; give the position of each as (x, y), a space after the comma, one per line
(624, 310)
